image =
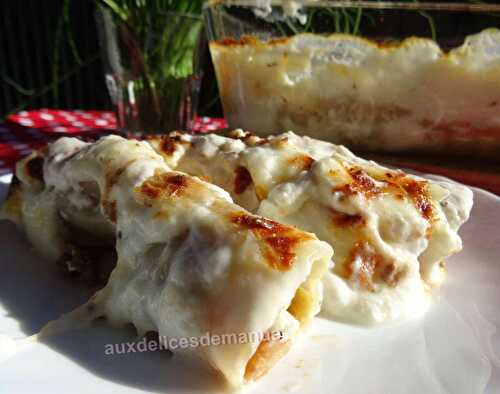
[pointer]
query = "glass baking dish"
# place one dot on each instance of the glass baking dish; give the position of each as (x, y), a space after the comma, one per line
(375, 76)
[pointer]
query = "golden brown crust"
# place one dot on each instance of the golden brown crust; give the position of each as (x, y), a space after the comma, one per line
(417, 190)
(252, 41)
(168, 144)
(414, 189)
(164, 184)
(247, 137)
(340, 219)
(397, 183)
(360, 183)
(304, 162)
(373, 267)
(249, 41)
(280, 239)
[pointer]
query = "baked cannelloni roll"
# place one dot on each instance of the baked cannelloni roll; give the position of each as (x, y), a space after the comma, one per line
(390, 231)
(190, 262)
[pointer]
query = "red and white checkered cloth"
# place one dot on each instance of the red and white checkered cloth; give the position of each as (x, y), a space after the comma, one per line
(14, 146)
(58, 122)
(28, 130)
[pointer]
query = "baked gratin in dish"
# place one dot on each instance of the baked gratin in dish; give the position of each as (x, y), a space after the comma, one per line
(403, 96)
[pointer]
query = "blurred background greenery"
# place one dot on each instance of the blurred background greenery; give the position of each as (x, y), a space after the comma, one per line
(50, 55)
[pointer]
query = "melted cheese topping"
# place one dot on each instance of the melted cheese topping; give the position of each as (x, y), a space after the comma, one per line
(434, 100)
(190, 261)
(390, 231)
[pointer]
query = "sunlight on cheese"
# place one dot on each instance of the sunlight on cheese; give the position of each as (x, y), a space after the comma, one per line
(190, 261)
(390, 231)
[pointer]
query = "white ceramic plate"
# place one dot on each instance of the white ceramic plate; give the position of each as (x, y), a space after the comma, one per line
(454, 348)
